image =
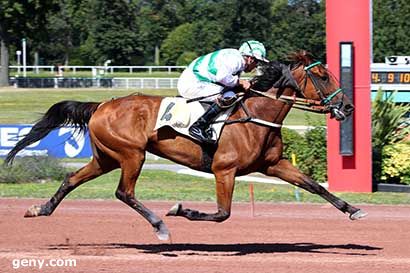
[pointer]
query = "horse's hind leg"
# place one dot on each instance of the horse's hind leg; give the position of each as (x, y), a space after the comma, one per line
(286, 171)
(131, 168)
(225, 181)
(72, 180)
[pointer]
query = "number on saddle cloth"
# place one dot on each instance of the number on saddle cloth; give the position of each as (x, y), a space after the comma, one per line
(167, 114)
(173, 112)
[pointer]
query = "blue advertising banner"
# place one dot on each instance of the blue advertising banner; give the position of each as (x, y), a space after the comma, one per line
(60, 143)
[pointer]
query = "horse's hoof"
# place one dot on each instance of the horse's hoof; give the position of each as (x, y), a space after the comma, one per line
(175, 210)
(162, 232)
(357, 215)
(163, 236)
(33, 211)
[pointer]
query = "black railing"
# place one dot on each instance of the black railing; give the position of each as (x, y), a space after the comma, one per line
(27, 82)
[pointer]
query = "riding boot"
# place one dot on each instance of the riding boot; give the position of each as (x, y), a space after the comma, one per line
(200, 129)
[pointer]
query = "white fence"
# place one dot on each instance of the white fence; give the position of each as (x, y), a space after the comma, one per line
(141, 83)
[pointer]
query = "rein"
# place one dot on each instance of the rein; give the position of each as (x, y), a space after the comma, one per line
(316, 106)
(249, 118)
(298, 103)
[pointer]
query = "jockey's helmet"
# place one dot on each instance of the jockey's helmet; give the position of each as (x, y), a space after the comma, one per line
(254, 49)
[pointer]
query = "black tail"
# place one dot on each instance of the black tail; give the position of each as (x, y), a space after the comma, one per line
(60, 114)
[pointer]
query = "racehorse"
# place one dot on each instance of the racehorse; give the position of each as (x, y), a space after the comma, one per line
(122, 130)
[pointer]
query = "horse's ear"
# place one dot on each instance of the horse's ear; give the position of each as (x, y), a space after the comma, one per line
(309, 57)
(301, 56)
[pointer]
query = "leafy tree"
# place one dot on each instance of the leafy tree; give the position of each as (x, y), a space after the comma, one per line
(114, 33)
(200, 37)
(186, 58)
(213, 21)
(391, 21)
(127, 31)
(208, 36)
(298, 24)
(225, 24)
(68, 29)
(156, 19)
(21, 19)
(178, 41)
(251, 20)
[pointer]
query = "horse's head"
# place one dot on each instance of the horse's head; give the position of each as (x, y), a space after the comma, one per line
(309, 80)
(314, 81)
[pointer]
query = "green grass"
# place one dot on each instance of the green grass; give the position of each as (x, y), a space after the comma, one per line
(165, 185)
(27, 105)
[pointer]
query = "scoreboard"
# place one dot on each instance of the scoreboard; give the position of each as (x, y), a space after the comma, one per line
(390, 78)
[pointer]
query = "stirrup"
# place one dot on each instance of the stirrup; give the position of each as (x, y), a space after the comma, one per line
(201, 134)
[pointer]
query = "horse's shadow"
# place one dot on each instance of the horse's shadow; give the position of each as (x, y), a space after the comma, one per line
(232, 249)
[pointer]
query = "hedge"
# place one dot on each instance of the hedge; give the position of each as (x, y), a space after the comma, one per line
(32, 169)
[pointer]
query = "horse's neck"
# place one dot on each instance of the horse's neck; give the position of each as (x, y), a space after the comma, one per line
(269, 109)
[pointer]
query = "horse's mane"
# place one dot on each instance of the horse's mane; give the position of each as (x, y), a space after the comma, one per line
(270, 73)
(274, 72)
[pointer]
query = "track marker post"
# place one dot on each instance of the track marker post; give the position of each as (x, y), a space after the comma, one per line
(297, 193)
(252, 199)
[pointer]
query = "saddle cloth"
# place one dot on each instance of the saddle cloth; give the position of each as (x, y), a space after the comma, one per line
(180, 115)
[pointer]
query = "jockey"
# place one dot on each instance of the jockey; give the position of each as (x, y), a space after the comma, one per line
(218, 72)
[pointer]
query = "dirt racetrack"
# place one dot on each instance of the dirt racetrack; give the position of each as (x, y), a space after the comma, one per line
(107, 236)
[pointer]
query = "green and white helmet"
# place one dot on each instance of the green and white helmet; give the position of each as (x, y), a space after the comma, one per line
(254, 49)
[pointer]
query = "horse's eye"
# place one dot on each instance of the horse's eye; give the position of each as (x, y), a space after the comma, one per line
(325, 78)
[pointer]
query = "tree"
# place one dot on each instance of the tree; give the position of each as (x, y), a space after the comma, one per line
(68, 29)
(200, 37)
(20, 19)
(178, 41)
(156, 19)
(250, 20)
(213, 24)
(298, 24)
(391, 21)
(186, 58)
(114, 33)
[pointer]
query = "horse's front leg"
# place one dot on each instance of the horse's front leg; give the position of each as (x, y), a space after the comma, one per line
(225, 181)
(130, 170)
(286, 171)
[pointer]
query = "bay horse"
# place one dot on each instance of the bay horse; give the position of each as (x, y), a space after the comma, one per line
(122, 130)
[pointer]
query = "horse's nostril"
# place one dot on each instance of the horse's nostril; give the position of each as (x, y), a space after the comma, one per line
(348, 107)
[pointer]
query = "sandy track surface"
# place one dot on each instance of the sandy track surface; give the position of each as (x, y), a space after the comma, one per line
(107, 236)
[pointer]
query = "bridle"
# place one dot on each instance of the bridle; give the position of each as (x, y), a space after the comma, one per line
(324, 100)
(323, 105)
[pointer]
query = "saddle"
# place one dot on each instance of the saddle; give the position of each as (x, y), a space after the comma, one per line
(176, 113)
